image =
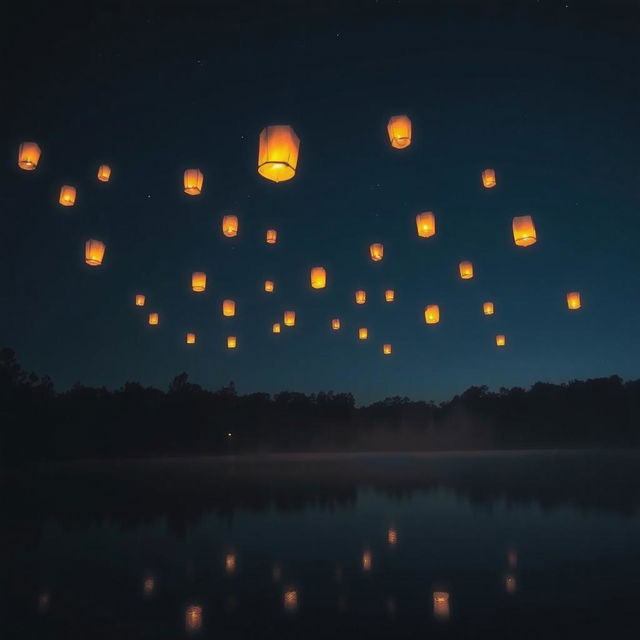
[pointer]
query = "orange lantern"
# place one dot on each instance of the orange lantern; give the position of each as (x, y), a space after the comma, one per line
(290, 600)
(573, 300)
(289, 318)
(426, 224)
(376, 251)
(389, 295)
(318, 278)
(524, 231)
(275, 328)
(432, 314)
(269, 286)
(28, 155)
(501, 340)
(198, 281)
(231, 342)
(488, 178)
(392, 536)
(487, 308)
(272, 236)
(230, 226)
(399, 130)
(230, 558)
(193, 618)
(193, 180)
(386, 349)
(441, 605)
(67, 196)
(94, 252)
(335, 324)
(363, 333)
(191, 338)
(366, 560)
(104, 173)
(466, 270)
(278, 153)
(154, 318)
(140, 299)
(228, 308)
(361, 297)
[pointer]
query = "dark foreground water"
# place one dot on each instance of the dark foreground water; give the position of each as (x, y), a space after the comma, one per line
(509, 545)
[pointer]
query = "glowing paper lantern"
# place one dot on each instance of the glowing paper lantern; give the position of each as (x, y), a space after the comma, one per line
(318, 278)
(510, 584)
(399, 130)
(466, 270)
(140, 299)
(148, 586)
(335, 324)
(94, 252)
(376, 251)
(524, 231)
(104, 173)
(363, 333)
(361, 296)
(573, 300)
(386, 349)
(198, 281)
(231, 342)
(432, 314)
(487, 308)
(501, 340)
(154, 318)
(488, 178)
(278, 153)
(441, 605)
(389, 295)
(230, 226)
(269, 286)
(275, 328)
(67, 195)
(426, 224)
(366, 560)
(392, 536)
(228, 308)
(290, 600)
(230, 561)
(272, 236)
(289, 318)
(191, 338)
(193, 619)
(193, 180)
(28, 155)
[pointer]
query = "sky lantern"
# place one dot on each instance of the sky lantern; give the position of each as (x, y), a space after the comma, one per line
(231, 342)
(501, 340)
(361, 296)
(230, 563)
(272, 236)
(335, 324)
(318, 278)
(392, 536)
(229, 308)
(386, 349)
(367, 560)
(148, 585)
(193, 618)
(198, 281)
(466, 270)
(230, 226)
(376, 250)
(289, 318)
(154, 318)
(269, 286)
(140, 299)
(363, 333)
(399, 130)
(290, 600)
(524, 231)
(278, 153)
(426, 224)
(432, 314)
(275, 327)
(191, 338)
(193, 180)
(28, 155)
(573, 300)
(510, 584)
(389, 295)
(487, 308)
(441, 605)
(104, 173)
(67, 195)
(94, 252)
(489, 178)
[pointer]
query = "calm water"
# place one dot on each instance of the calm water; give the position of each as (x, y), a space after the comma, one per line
(518, 545)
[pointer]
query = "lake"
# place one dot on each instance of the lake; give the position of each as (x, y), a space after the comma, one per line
(477, 545)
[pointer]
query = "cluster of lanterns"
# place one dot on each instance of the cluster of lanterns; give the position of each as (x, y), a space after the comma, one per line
(278, 154)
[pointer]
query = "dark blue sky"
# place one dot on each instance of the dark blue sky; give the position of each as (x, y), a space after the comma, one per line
(548, 95)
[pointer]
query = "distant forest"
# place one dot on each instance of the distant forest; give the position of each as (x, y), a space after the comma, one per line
(37, 423)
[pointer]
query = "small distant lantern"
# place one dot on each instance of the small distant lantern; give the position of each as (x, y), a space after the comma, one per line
(140, 299)
(275, 328)
(573, 300)
(524, 231)
(198, 281)
(272, 236)
(290, 600)
(318, 278)
(191, 338)
(510, 584)
(367, 561)
(193, 619)
(392, 536)
(231, 342)
(441, 605)
(363, 333)
(361, 296)
(432, 314)
(193, 180)
(389, 295)
(269, 286)
(335, 324)
(229, 308)
(67, 195)
(94, 252)
(426, 224)
(154, 318)
(487, 308)
(501, 340)
(399, 130)
(230, 558)
(376, 251)
(104, 173)
(466, 270)
(148, 586)
(489, 178)
(386, 349)
(289, 318)
(230, 226)
(28, 155)
(278, 152)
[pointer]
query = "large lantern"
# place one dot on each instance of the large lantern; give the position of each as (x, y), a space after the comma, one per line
(191, 338)
(272, 236)
(487, 308)
(231, 342)
(426, 224)
(361, 296)
(140, 299)
(318, 278)
(573, 300)
(193, 180)
(386, 349)
(524, 231)
(269, 286)
(67, 195)
(104, 173)
(488, 178)
(94, 252)
(275, 327)
(399, 130)
(229, 308)
(28, 155)
(466, 270)
(278, 153)
(198, 281)
(501, 340)
(432, 314)
(154, 318)
(363, 333)
(230, 226)
(376, 251)
(335, 324)
(389, 295)
(289, 318)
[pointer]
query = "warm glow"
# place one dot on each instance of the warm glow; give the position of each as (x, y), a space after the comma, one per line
(426, 224)
(290, 600)
(193, 180)
(104, 173)
(154, 318)
(67, 196)
(272, 236)
(28, 155)
(466, 270)
(230, 561)
(140, 299)
(389, 295)
(441, 605)
(318, 278)
(148, 586)
(289, 318)
(392, 536)
(501, 340)
(230, 226)
(193, 618)
(361, 297)
(198, 281)
(432, 314)
(363, 333)
(278, 153)
(489, 178)
(275, 328)
(366, 560)
(524, 231)
(94, 252)
(269, 286)
(335, 324)
(487, 308)
(191, 338)
(510, 584)
(376, 251)
(386, 349)
(573, 300)
(231, 342)
(399, 130)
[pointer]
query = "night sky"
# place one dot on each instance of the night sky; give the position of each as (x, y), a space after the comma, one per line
(545, 93)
